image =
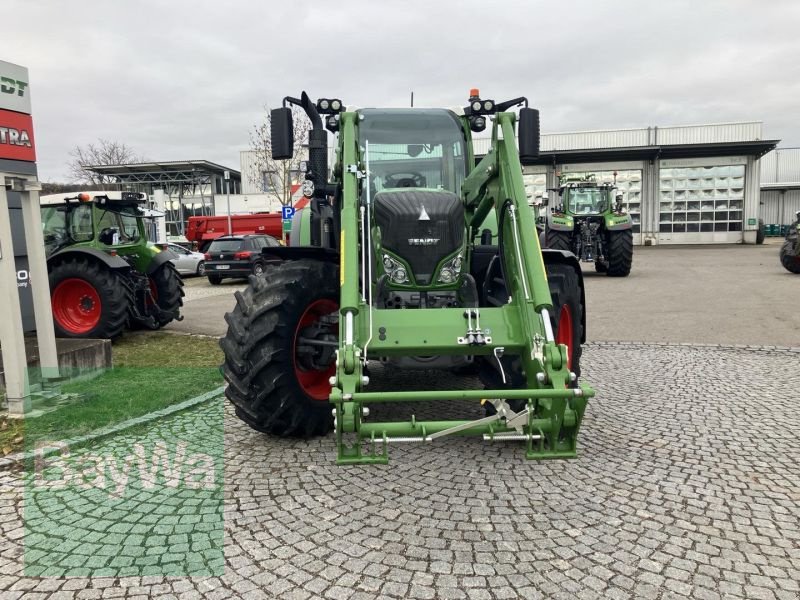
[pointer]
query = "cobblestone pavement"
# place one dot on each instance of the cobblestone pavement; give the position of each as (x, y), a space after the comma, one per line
(687, 485)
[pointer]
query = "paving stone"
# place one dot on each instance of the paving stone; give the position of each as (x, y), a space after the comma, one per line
(675, 494)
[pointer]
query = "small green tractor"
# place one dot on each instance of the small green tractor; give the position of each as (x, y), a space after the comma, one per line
(104, 274)
(416, 254)
(790, 250)
(591, 226)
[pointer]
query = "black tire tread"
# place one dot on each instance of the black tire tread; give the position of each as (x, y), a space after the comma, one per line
(789, 259)
(170, 292)
(258, 363)
(620, 253)
(559, 240)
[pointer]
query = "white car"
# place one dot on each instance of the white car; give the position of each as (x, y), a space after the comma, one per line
(188, 262)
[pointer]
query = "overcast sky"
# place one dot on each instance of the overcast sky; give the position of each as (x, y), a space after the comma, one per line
(183, 80)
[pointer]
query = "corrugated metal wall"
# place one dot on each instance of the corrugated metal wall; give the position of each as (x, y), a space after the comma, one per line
(707, 134)
(782, 165)
(644, 136)
(779, 207)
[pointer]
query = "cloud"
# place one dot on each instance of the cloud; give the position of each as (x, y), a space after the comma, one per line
(187, 79)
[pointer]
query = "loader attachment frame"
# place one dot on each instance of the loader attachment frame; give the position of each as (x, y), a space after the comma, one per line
(553, 406)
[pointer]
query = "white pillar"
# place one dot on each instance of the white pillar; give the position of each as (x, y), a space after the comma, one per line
(15, 365)
(37, 267)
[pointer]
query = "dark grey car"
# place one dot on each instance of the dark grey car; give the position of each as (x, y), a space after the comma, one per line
(236, 256)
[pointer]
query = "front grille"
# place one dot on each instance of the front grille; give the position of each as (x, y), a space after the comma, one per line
(397, 214)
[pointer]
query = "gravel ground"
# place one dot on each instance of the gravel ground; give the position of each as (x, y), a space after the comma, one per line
(687, 485)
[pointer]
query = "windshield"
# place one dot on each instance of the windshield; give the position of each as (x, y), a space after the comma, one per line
(225, 245)
(126, 225)
(583, 201)
(413, 148)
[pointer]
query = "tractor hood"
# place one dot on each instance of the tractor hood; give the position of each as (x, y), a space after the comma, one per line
(420, 226)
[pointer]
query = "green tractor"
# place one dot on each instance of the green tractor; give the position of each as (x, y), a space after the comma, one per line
(411, 254)
(104, 274)
(591, 226)
(790, 250)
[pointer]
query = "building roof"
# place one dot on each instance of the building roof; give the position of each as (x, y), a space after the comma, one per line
(183, 171)
(756, 148)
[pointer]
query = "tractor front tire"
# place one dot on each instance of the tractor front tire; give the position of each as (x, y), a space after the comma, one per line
(789, 258)
(89, 300)
(277, 387)
(559, 240)
(620, 253)
(167, 286)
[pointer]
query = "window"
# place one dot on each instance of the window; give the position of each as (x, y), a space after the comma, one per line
(126, 225)
(701, 199)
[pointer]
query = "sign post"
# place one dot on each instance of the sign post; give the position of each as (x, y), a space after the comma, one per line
(19, 183)
(228, 190)
(287, 212)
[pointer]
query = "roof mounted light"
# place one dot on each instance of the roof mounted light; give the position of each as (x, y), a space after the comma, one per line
(329, 106)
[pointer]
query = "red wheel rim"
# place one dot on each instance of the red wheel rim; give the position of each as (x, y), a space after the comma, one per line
(316, 384)
(153, 291)
(564, 333)
(76, 306)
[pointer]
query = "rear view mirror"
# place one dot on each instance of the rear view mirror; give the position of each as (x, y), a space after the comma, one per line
(281, 133)
(414, 150)
(528, 132)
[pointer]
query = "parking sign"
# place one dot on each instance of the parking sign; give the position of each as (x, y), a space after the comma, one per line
(287, 212)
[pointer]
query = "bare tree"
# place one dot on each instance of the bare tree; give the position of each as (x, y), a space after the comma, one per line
(103, 152)
(275, 177)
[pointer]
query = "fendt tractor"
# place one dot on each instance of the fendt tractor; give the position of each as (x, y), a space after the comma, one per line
(591, 226)
(414, 255)
(790, 250)
(104, 274)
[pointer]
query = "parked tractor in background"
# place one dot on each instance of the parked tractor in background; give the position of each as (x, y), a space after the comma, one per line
(398, 264)
(104, 274)
(790, 250)
(591, 222)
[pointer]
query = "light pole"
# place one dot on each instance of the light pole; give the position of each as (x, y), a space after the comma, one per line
(228, 194)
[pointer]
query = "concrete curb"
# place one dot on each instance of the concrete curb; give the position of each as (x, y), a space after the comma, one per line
(8, 462)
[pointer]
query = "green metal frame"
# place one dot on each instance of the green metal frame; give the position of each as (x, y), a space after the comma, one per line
(549, 425)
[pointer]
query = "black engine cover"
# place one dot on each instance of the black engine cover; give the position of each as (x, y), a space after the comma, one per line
(421, 226)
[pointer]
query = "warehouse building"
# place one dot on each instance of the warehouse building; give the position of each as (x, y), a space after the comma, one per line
(780, 189)
(695, 184)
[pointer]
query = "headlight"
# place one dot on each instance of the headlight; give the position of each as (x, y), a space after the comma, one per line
(450, 270)
(397, 272)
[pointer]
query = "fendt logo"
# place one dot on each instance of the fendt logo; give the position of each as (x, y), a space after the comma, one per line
(9, 85)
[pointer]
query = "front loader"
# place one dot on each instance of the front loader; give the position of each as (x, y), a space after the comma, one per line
(414, 255)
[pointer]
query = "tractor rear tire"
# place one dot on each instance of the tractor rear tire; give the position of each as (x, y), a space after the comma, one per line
(789, 259)
(567, 314)
(168, 288)
(620, 253)
(559, 240)
(89, 300)
(600, 266)
(271, 390)
(567, 321)
(761, 232)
